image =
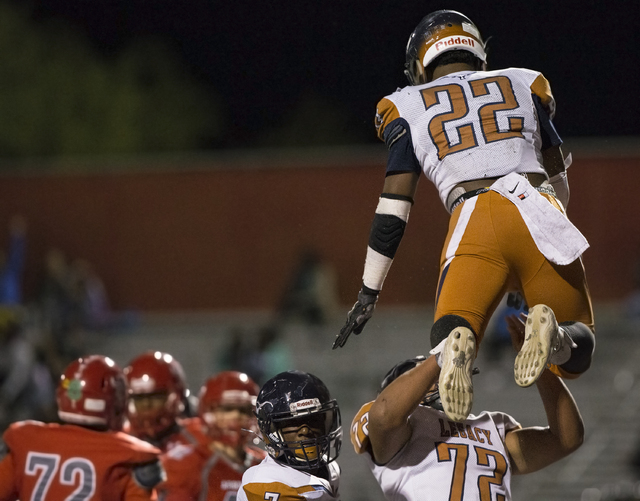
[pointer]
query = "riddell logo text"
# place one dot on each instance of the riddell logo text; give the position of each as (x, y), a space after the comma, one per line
(455, 41)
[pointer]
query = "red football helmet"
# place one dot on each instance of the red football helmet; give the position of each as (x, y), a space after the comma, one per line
(92, 391)
(155, 376)
(219, 397)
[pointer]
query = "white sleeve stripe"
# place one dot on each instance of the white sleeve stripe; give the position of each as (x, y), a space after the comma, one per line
(376, 267)
(393, 207)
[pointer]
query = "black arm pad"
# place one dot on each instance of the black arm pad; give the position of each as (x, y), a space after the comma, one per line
(386, 234)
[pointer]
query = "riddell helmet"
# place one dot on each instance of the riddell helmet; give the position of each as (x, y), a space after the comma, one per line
(437, 33)
(155, 374)
(230, 390)
(293, 398)
(92, 392)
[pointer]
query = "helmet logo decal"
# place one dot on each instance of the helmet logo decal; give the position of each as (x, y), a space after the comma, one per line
(237, 396)
(74, 389)
(144, 384)
(94, 405)
(301, 405)
(452, 43)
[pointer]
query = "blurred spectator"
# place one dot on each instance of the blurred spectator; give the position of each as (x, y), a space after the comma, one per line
(59, 307)
(27, 390)
(93, 302)
(311, 296)
(259, 357)
(12, 263)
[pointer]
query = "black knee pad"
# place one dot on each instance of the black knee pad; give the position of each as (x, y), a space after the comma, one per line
(443, 327)
(581, 356)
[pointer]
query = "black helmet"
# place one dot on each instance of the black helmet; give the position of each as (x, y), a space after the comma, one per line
(432, 398)
(439, 32)
(291, 399)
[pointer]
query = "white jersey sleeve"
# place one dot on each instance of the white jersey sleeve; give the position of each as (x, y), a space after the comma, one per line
(273, 481)
(472, 125)
(448, 460)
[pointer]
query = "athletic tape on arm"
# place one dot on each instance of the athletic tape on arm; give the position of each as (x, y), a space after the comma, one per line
(386, 234)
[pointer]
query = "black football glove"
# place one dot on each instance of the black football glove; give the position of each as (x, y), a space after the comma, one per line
(515, 300)
(358, 317)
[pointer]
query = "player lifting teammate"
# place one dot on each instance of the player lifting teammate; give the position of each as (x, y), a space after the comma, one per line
(487, 142)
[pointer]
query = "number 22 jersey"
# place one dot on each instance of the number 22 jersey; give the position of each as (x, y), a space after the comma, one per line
(471, 125)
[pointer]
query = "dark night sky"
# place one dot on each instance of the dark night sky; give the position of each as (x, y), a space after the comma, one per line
(261, 56)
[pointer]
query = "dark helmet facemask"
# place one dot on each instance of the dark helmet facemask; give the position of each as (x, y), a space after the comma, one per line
(292, 400)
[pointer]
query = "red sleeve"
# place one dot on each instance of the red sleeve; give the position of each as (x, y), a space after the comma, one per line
(133, 492)
(8, 491)
(183, 466)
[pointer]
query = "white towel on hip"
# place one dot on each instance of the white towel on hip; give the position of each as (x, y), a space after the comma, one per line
(556, 237)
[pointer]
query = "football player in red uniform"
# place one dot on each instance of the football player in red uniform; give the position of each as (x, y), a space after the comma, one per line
(86, 457)
(157, 399)
(227, 405)
(487, 142)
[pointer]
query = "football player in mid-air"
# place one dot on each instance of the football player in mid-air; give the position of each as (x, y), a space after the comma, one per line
(415, 452)
(86, 457)
(301, 428)
(487, 142)
(213, 472)
(157, 400)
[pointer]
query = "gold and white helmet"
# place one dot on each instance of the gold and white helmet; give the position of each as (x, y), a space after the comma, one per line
(439, 32)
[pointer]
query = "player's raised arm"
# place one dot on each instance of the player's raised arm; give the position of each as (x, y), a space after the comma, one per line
(386, 233)
(389, 428)
(534, 448)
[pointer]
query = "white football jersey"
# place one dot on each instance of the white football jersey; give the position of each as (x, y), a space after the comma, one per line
(472, 124)
(273, 481)
(444, 460)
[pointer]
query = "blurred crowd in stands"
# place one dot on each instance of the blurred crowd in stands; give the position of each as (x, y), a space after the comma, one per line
(42, 333)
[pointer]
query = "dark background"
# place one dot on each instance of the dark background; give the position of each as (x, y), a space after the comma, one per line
(263, 58)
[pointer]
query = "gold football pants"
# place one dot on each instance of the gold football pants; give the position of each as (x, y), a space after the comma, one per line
(489, 252)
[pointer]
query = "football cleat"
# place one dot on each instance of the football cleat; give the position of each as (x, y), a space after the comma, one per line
(544, 342)
(455, 385)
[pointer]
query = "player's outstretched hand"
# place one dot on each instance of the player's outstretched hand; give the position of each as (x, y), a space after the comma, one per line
(515, 326)
(357, 317)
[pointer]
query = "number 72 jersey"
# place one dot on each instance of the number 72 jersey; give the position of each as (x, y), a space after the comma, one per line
(51, 461)
(472, 124)
(443, 460)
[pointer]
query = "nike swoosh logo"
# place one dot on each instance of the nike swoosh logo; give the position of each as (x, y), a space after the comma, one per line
(514, 189)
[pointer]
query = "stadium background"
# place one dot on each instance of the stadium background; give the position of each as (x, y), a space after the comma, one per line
(203, 239)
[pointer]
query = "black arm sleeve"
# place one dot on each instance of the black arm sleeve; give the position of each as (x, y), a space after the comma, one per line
(402, 158)
(548, 131)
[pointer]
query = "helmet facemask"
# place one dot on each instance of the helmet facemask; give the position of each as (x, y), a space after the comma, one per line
(306, 440)
(152, 416)
(231, 425)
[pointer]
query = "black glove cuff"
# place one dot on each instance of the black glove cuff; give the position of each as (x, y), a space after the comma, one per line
(368, 291)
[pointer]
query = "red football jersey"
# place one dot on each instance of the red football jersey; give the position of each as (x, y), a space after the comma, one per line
(197, 473)
(58, 462)
(189, 431)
